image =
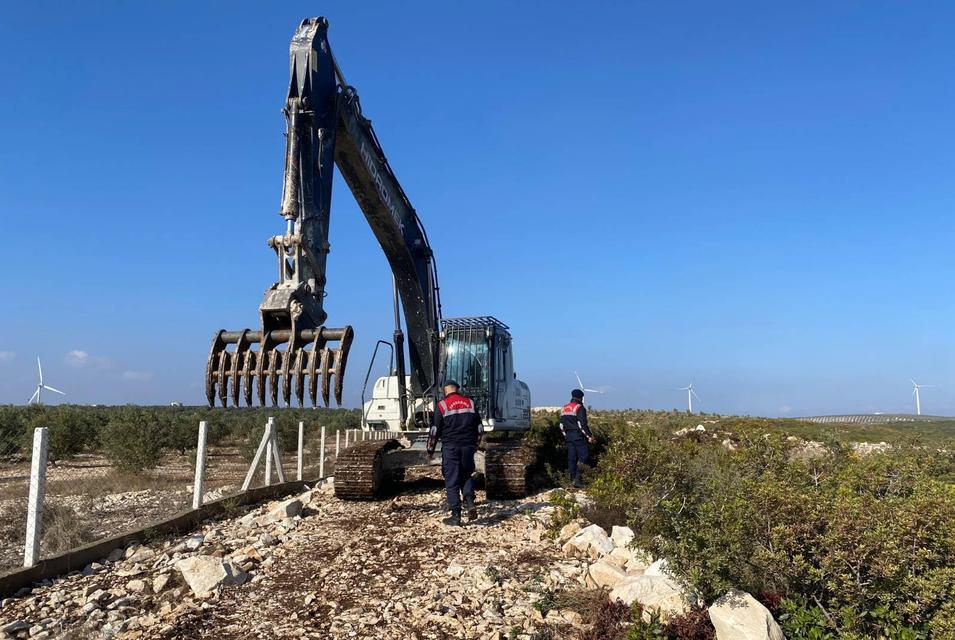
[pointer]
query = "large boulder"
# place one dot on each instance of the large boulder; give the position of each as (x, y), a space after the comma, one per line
(592, 542)
(654, 593)
(739, 616)
(204, 574)
(621, 536)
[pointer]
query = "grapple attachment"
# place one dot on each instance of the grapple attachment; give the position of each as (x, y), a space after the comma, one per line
(251, 364)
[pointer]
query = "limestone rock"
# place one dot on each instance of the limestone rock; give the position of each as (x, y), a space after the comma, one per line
(658, 568)
(287, 509)
(160, 582)
(567, 532)
(621, 536)
(604, 573)
(590, 541)
(658, 593)
(136, 586)
(193, 543)
(739, 616)
(205, 573)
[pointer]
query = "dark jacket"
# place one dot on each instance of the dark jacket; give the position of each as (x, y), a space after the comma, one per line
(573, 422)
(456, 421)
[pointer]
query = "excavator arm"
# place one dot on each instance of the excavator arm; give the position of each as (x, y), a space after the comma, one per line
(325, 127)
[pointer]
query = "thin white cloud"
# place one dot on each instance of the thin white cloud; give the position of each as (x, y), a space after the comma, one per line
(7, 356)
(77, 358)
(137, 376)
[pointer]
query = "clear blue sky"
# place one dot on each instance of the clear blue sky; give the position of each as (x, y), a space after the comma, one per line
(755, 197)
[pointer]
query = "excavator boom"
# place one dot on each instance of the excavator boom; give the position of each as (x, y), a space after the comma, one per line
(293, 350)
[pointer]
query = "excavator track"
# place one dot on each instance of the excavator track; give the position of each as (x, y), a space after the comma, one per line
(360, 472)
(508, 468)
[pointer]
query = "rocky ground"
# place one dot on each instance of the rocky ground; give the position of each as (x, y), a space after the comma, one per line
(312, 566)
(315, 567)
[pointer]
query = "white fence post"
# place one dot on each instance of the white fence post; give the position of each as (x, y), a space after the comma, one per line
(31, 550)
(321, 461)
(269, 450)
(301, 450)
(200, 466)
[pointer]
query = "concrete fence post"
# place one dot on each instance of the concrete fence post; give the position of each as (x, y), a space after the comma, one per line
(200, 465)
(321, 460)
(301, 450)
(269, 450)
(31, 550)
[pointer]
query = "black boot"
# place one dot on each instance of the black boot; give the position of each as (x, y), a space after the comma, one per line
(453, 520)
(469, 508)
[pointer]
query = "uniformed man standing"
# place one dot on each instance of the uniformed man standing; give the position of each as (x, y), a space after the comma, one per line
(573, 424)
(457, 424)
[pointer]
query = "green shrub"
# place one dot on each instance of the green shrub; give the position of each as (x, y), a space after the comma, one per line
(70, 430)
(134, 440)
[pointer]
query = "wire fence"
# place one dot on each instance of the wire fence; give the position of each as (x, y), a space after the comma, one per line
(90, 496)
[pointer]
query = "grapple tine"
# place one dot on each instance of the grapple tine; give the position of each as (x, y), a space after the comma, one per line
(247, 373)
(224, 358)
(218, 346)
(342, 360)
(274, 356)
(241, 353)
(262, 361)
(300, 356)
(325, 381)
(313, 357)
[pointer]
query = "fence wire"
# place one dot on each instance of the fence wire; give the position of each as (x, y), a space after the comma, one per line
(135, 469)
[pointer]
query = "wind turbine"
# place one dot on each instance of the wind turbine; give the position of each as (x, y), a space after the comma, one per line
(40, 386)
(689, 395)
(915, 392)
(582, 388)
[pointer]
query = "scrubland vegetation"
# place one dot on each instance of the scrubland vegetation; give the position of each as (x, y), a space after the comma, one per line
(136, 438)
(836, 543)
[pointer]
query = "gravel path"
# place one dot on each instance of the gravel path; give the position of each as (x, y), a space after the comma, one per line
(383, 570)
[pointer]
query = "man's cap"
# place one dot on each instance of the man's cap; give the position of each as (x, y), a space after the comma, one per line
(576, 393)
(452, 383)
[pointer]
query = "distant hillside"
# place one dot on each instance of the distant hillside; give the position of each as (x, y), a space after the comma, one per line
(875, 418)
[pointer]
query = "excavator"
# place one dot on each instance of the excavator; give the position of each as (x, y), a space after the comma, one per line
(293, 349)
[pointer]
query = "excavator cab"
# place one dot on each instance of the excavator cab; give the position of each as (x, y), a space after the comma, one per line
(476, 353)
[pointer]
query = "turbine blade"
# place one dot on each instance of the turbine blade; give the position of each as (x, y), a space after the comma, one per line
(54, 390)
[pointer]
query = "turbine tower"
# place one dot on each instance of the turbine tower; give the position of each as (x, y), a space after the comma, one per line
(40, 386)
(690, 393)
(915, 392)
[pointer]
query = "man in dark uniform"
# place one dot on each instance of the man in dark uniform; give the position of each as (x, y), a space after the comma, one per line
(573, 424)
(457, 424)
